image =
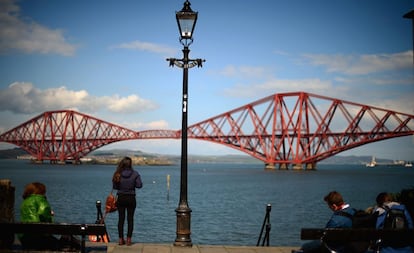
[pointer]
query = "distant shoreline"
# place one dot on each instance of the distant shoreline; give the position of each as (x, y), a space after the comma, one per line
(141, 158)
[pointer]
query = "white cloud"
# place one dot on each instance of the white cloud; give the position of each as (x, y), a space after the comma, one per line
(404, 103)
(17, 33)
(377, 80)
(362, 64)
(132, 103)
(147, 46)
(24, 98)
(273, 85)
(245, 71)
(259, 81)
(384, 80)
(158, 124)
(281, 52)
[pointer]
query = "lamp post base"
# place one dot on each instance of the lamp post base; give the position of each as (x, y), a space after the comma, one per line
(183, 238)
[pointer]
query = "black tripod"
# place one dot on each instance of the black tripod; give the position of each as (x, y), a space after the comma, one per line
(100, 219)
(266, 222)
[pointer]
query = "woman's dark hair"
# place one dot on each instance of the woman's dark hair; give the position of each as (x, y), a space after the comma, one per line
(124, 164)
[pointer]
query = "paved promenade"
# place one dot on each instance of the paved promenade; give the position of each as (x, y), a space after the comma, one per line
(113, 247)
(169, 248)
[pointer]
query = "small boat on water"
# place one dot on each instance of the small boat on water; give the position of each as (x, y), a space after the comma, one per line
(372, 164)
(408, 165)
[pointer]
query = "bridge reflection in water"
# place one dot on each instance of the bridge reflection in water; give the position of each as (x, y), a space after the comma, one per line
(292, 130)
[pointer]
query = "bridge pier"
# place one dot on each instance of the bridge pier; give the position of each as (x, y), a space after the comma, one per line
(297, 166)
(283, 166)
(272, 166)
(311, 166)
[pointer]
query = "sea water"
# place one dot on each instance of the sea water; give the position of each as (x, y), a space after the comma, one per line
(228, 201)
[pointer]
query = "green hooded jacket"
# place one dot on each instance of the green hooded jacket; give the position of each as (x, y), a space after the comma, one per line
(36, 208)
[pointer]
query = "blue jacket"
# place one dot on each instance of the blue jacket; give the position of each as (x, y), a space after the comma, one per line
(130, 179)
(380, 224)
(340, 221)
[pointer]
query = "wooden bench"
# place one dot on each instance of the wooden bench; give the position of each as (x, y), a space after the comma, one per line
(344, 235)
(8, 230)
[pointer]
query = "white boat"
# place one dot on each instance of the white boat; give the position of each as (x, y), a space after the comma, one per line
(408, 165)
(372, 164)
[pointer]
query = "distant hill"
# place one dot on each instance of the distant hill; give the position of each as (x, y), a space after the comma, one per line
(13, 153)
(352, 160)
(359, 160)
(118, 152)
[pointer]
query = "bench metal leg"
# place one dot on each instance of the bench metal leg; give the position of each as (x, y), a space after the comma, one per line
(83, 243)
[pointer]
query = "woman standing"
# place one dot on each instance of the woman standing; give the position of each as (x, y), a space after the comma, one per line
(125, 180)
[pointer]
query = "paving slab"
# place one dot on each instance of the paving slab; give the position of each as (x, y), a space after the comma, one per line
(170, 248)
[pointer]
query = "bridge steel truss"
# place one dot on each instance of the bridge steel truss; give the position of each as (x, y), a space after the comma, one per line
(65, 135)
(300, 129)
(287, 129)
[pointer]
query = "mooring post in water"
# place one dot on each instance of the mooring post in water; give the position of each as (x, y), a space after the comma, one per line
(266, 222)
(168, 187)
(6, 210)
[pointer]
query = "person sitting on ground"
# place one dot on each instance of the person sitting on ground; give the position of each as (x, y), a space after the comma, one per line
(385, 202)
(337, 204)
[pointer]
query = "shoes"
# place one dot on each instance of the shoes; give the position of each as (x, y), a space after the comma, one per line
(128, 241)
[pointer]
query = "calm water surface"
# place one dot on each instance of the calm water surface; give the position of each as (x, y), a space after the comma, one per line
(228, 201)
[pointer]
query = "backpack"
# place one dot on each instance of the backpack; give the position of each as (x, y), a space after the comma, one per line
(360, 219)
(395, 219)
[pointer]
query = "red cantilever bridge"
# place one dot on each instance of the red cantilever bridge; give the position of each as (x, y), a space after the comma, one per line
(297, 129)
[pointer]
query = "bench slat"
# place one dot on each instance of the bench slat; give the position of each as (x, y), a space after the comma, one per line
(53, 228)
(357, 234)
(7, 230)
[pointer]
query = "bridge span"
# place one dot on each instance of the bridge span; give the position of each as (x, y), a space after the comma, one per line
(289, 130)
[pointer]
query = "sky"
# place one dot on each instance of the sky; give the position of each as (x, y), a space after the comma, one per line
(107, 59)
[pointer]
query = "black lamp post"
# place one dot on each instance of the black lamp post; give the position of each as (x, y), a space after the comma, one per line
(186, 20)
